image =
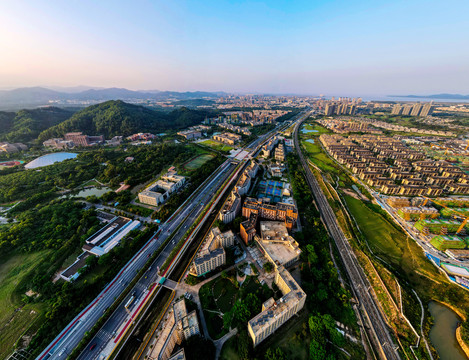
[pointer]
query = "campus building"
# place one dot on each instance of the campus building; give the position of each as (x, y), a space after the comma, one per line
(227, 138)
(280, 211)
(213, 253)
(276, 245)
(190, 134)
(79, 139)
(179, 327)
(110, 235)
(275, 313)
(158, 192)
(231, 208)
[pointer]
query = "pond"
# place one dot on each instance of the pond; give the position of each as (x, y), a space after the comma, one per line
(91, 191)
(49, 159)
(311, 141)
(305, 131)
(443, 332)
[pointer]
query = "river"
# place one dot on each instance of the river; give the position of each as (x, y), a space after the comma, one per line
(443, 332)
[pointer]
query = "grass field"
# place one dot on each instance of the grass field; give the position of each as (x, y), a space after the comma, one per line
(216, 145)
(403, 254)
(198, 162)
(14, 319)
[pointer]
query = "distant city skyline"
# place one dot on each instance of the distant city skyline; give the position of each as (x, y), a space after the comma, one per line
(360, 48)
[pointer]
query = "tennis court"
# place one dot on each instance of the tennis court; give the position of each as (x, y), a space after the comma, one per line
(271, 189)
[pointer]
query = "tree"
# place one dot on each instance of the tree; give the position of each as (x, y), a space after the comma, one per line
(268, 267)
(276, 354)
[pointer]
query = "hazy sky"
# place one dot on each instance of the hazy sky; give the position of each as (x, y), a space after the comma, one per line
(313, 46)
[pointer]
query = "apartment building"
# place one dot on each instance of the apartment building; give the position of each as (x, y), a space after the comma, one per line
(247, 228)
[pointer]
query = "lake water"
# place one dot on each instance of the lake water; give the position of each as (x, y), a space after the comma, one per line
(49, 159)
(305, 131)
(3, 220)
(310, 141)
(443, 332)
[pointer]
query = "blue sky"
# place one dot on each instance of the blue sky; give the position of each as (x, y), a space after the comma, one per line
(309, 47)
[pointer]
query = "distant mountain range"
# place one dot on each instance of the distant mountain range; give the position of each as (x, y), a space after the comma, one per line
(435, 96)
(34, 96)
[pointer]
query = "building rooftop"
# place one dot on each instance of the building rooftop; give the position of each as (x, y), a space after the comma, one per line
(281, 247)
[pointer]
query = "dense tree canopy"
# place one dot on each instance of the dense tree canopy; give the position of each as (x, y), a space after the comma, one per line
(113, 118)
(25, 125)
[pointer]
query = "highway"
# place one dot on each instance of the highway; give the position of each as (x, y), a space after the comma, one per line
(377, 327)
(176, 226)
(74, 332)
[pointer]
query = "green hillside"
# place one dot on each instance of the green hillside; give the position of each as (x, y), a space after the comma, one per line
(113, 118)
(26, 125)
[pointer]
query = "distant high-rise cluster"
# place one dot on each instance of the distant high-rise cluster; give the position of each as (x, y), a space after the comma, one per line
(422, 110)
(340, 109)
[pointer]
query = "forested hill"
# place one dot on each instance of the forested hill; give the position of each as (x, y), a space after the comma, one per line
(113, 118)
(26, 125)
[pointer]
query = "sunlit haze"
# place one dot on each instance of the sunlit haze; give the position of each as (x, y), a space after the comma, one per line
(303, 47)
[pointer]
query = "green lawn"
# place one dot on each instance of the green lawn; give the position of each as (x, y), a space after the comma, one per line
(219, 296)
(224, 293)
(198, 162)
(216, 145)
(14, 323)
(319, 158)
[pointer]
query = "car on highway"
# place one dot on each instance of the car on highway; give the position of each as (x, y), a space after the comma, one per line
(92, 346)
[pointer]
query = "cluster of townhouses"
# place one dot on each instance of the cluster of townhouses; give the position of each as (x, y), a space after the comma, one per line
(235, 128)
(400, 128)
(393, 168)
(343, 127)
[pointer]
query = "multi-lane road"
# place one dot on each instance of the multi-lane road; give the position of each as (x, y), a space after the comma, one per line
(176, 226)
(74, 332)
(377, 327)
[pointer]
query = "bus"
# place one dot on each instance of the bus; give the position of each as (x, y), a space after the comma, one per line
(129, 303)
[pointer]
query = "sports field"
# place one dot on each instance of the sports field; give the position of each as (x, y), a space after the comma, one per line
(10, 163)
(216, 145)
(197, 162)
